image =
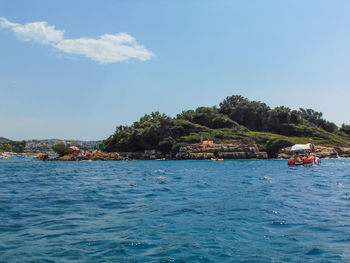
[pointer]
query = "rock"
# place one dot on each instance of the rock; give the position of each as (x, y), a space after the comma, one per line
(262, 155)
(321, 151)
(284, 155)
(226, 151)
(233, 155)
(43, 157)
(90, 156)
(152, 155)
(324, 152)
(68, 157)
(342, 151)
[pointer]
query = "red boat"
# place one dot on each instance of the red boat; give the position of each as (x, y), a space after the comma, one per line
(305, 158)
(305, 161)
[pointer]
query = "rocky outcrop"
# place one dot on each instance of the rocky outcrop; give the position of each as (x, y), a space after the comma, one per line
(43, 157)
(326, 152)
(226, 151)
(146, 155)
(201, 152)
(89, 156)
(321, 151)
(342, 151)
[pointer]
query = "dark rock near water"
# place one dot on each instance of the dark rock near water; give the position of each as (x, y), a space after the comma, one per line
(321, 151)
(89, 156)
(225, 151)
(201, 152)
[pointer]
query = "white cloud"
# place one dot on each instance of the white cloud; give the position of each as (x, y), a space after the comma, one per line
(38, 31)
(107, 49)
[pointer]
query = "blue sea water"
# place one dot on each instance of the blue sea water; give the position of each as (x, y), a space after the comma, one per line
(174, 211)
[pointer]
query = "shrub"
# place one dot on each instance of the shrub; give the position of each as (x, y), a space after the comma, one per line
(61, 149)
(345, 128)
(13, 146)
(274, 145)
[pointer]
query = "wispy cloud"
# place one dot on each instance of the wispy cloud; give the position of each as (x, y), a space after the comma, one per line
(107, 48)
(38, 31)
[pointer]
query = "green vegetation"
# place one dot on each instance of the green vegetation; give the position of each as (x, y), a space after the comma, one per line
(13, 146)
(61, 149)
(345, 129)
(209, 117)
(235, 120)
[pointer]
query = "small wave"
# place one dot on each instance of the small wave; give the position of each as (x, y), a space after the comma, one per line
(345, 239)
(182, 211)
(268, 178)
(116, 205)
(339, 184)
(160, 171)
(160, 177)
(315, 251)
(279, 223)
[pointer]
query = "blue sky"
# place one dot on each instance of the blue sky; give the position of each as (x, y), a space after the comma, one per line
(61, 79)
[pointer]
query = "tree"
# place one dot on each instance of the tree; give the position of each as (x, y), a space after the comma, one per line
(251, 114)
(13, 146)
(295, 117)
(61, 149)
(145, 134)
(316, 118)
(209, 117)
(277, 117)
(345, 128)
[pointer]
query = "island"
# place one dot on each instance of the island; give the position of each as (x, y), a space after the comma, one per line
(235, 129)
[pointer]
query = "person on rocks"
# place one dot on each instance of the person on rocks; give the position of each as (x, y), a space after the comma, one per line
(312, 146)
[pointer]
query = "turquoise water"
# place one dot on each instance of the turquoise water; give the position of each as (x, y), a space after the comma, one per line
(174, 211)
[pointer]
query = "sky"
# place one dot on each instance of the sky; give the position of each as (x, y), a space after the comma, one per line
(77, 69)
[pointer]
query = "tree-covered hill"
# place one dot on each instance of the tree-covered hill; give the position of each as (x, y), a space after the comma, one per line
(4, 140)
(13, 146)
(235, 119)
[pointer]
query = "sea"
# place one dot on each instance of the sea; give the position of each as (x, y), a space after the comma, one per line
(174, 211)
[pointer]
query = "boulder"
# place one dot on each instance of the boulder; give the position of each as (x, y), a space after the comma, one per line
(43, 157)
(342, 151)
(326, 152)
(91, 156)
(284, 155)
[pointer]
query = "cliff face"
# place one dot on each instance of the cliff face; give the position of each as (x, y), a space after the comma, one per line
(226, 151)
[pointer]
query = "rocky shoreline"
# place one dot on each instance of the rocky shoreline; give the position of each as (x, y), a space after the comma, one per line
(225, 151)
(321, 151)
(201, 152)
(88, 157)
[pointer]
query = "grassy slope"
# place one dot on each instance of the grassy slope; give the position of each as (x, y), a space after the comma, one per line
(187, 133)
(319, 136)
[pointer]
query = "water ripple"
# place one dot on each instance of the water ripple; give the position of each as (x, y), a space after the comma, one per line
(174, 211)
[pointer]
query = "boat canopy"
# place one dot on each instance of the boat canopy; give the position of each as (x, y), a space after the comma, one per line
(300, 147)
